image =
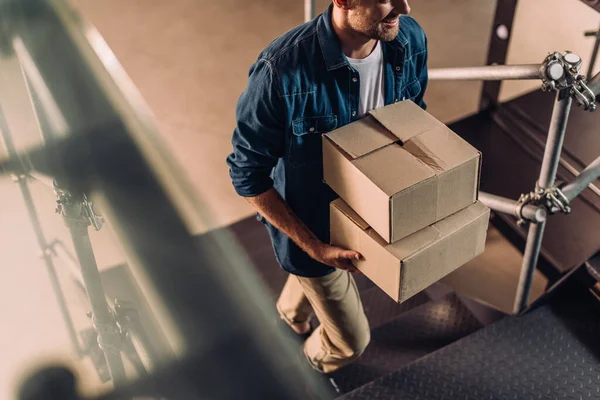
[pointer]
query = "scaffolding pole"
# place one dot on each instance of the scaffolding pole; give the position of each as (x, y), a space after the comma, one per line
(309, 10)
(585, 178)
(554, 143)
(507, 206)
(488, 73)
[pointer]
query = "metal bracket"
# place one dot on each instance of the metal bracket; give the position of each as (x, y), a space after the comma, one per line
(124, 312)
(561, 73)
(552, 199)
(77, 209)
(95, 220)
(110, 334)
(16, 178)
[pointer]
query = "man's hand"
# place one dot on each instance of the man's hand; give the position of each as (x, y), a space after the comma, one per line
(276, 211)
(336, 257)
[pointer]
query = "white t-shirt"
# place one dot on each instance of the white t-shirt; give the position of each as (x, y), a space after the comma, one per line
(370, 70)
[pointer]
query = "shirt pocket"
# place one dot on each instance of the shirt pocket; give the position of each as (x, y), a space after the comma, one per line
(305, 142)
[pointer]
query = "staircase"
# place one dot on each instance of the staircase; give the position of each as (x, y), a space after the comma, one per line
(443, 345)
(400, 333)
(550, 353)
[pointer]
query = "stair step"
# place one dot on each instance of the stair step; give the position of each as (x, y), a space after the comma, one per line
(408, 337)
(380, 308)
(551, 352)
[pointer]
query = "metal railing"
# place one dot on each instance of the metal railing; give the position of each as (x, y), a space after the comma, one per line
(560, 73)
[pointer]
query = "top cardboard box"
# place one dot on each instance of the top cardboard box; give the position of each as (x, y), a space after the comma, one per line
(401, 169)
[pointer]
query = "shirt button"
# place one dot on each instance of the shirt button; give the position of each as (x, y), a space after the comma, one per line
(398, 68)
(353, 113)
(354, 80)
(311, 129)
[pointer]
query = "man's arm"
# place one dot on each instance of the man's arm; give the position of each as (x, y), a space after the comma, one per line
(276, 211)
(258, 143)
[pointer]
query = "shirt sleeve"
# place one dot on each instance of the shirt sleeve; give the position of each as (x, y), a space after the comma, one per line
(422, 76)
(258, 139)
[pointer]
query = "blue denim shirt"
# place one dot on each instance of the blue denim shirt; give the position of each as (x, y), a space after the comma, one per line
(301, 87)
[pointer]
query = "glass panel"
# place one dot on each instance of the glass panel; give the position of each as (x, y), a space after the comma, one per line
(87, 182)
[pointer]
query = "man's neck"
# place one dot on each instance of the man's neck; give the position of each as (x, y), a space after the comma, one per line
(354, 44)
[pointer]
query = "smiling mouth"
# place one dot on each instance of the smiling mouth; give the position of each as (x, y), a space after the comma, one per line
(391, 21)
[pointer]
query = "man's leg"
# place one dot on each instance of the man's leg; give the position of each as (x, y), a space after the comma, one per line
(344, 331)
(293, 306)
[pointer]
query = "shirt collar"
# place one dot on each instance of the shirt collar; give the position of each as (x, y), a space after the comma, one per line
(330, 43)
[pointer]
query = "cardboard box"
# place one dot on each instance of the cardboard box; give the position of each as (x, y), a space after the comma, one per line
(401, 169)
(406, 267)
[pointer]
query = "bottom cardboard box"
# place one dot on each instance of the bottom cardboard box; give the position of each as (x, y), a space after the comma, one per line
(406, 267)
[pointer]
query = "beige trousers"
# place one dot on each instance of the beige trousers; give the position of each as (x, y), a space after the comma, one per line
(344, 331)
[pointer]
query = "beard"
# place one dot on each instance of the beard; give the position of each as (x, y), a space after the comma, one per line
(373, 29)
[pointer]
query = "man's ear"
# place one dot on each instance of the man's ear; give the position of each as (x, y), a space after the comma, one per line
(343, 4)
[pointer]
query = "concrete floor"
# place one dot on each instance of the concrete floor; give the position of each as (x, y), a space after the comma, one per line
(190, 59)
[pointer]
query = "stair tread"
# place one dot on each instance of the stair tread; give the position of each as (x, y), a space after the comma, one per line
(551, 352)
(410, 336)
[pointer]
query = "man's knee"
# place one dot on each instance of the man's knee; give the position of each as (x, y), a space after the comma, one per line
(366, 339)
(358, 345)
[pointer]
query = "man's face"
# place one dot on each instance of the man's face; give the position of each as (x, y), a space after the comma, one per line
(378, 19)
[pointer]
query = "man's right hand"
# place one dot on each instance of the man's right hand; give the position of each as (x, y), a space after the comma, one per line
(336, 257)
(276, 211)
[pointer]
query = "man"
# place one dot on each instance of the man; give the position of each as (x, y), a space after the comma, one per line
(358, 55)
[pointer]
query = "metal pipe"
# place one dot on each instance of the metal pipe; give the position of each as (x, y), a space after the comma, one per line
(585, 178)
(530, 259)
(41, 239)
(594, 52)
(488, 73)
(554, 143)
(108, 333)
(594, 84)
(61, 252)
(34, 78)
(309, 10)
(508, 206)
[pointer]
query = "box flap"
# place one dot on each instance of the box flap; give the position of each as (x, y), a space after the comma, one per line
(393, 169)
(405, 119)
(441, 149)
(350, 213)
(419, 150)
(361, 137)
(351, 184)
